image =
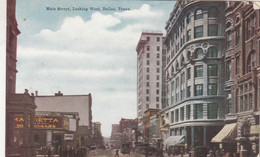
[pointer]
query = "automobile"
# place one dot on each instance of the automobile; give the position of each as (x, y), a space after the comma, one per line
(93, 148)
(125, 148)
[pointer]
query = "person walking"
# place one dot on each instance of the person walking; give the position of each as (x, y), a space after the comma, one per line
(117, 154)
(49, 151)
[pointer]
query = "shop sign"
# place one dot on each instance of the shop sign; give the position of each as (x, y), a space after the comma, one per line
(19, 121)
(58, 132)
(68, 136)
(41, 122)
(255, 129)
(46, 122)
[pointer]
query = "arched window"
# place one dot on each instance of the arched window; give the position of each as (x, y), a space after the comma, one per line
(213, 52)
(213, 12)
(182, 61)
(198, 14)
(237, 19)
(199, 53)
(228, 24)
(188, 55)
(251, 61)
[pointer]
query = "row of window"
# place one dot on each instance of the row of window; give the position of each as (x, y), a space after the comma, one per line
(198, 54)
(198, 71)
(148, 48)
(179, 115)
(148, 70)
(148, 77)
(186, 93)
(198, 14)
(198, 33)
(157, 62)
(148, 106)
(157, 39)
(148, 55)
(250, 63)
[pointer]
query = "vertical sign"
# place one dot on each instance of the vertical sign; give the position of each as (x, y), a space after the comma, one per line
(48, 138)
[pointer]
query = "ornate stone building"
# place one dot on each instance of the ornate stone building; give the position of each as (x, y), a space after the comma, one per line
(195, 72)
(242, 59)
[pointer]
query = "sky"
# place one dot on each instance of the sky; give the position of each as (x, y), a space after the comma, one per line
(82, 52)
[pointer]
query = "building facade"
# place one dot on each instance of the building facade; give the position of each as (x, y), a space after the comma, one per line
(149, 74)
(242, 60)
(18, 138)
(194, 72)
(80, 104)
(115, 136)
(57, 130)
(98, 139)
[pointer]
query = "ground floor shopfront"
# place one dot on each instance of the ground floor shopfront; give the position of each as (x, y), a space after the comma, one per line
(195, 134)
(240, 135)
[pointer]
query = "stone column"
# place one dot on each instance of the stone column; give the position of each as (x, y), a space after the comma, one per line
(204, 136)
(192, 136)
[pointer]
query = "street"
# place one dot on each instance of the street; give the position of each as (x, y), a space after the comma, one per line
(111, 153)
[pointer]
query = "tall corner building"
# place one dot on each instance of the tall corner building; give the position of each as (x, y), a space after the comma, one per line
(149, 74)
(194, 44)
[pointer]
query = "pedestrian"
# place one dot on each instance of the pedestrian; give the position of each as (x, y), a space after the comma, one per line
(146, 152)
(49, 151)
(117, 155)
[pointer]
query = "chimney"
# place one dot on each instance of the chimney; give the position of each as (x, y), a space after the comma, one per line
(59, 94)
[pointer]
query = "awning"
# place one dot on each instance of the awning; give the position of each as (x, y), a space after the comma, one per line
(174, 140)
(254, 129)
(227, 134)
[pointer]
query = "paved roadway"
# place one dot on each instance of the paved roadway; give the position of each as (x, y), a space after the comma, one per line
(112, 152)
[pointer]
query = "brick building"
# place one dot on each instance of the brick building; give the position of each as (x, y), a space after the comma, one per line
(242, 60)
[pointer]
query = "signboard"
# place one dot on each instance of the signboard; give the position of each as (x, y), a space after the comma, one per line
(68, 136)
(19, 121)
(47, 122)
(43, 122)
(73, 125)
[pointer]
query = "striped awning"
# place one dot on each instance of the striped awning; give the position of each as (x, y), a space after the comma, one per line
(174, 140)
(227, 134)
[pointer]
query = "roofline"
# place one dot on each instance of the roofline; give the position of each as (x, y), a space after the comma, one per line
(145, 41)
(63, 95)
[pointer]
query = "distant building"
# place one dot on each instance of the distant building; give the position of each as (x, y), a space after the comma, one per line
(148, 114)
(128, 128)
(195, 72)
(115, 136)
(98, 139)
(127, 124)
(149, 74)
